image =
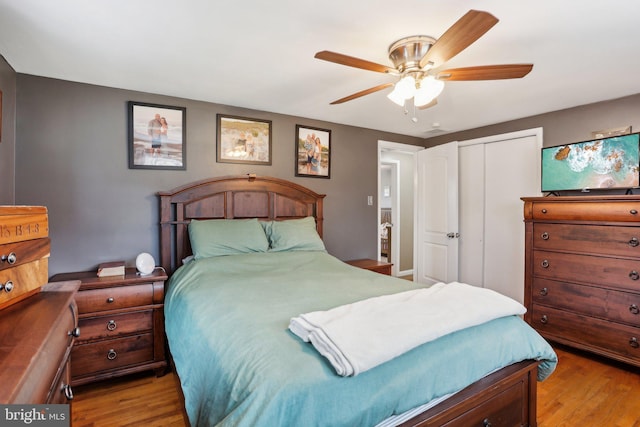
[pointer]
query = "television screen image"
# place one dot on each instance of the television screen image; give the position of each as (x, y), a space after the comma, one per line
(605, 163)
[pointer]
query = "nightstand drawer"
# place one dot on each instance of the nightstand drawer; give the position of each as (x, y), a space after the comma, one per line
(94, 328)
(89, 359)
(114, 298)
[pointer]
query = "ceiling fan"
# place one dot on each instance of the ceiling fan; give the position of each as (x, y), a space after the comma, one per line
(417, 59)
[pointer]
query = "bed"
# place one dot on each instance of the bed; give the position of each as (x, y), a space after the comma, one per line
(226, 317)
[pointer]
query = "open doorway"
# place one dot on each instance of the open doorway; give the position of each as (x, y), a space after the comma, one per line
(396, 195)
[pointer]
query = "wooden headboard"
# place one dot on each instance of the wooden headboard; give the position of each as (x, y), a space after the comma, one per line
(229, 197)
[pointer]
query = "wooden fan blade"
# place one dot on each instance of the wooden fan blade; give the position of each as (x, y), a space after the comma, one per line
(351, 61)
(429, 105)
(362, 93)
(486, 72)
(458, 37)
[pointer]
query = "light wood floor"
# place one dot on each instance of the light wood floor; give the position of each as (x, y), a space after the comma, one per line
(583, 391)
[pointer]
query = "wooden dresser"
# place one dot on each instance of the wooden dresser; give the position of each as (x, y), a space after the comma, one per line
(122, 324)
(36, 338)
(582, 272)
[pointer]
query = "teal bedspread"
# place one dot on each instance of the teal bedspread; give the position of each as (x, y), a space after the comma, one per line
(226, 322)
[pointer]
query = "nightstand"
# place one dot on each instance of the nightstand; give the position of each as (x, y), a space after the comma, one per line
(372, 265)
(121, 321)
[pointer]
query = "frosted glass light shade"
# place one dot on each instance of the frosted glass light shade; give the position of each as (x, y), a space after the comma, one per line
(429, 89)
(145, 263)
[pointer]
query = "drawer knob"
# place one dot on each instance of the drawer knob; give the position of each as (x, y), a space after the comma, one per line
(545, 263)
(633, 212)
(111, 325)
(111, 354)
(486, 423)
(544, 292)
(633, 308)
(633, 275)
(7, 287)
(545, 236)
(75, 332)
(66, 390)
(634, 242)
(544, 319)
(110, 300)
(11, 258)
(633, 342)
(544, 211)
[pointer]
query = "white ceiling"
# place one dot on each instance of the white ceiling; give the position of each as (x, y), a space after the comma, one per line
(259, 54)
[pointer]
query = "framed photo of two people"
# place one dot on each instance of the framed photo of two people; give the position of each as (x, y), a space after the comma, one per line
(313, 152)
(157, 136)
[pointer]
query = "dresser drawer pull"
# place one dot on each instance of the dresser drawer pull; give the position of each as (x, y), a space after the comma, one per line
(634, 242)
(110, 300)
(7, 287)
(11, 258)
(544, 292)
(633, 342)
(75, 332)
(634, 275)
(633, 308)
(111, 325)
(545, 236)
(544, 319)
(66, 390)
(544, 211)
(111, 354)
(633, 212)
(545, 263)
(486, 423)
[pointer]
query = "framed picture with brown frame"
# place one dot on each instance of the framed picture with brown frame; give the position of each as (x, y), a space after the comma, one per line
(243, 140)
(157, 136)
(313, 152)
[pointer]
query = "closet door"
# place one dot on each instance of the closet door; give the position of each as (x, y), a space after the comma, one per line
(499, 170)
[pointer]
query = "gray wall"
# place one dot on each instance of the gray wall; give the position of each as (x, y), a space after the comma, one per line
(8, 138)
(71, 156)
(564, 126)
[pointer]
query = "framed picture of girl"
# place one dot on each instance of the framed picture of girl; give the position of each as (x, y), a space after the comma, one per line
(157, 136)
(313, 152)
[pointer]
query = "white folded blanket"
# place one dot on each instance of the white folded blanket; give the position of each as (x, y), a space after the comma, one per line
(359, 336)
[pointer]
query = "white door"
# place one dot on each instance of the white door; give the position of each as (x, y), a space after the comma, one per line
(494, 173)
(436, 245)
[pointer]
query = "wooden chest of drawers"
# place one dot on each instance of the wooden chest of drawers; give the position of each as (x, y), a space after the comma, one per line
(582, 272)
(36, 338)
(24, 252)
(122, 324)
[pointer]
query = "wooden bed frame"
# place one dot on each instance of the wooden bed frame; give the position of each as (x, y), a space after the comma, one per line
(506, 397)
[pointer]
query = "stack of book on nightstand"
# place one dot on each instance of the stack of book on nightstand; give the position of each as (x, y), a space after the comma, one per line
(113, 268)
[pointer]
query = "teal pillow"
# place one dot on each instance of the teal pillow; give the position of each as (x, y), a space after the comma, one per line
(294, 235)
(218, 237)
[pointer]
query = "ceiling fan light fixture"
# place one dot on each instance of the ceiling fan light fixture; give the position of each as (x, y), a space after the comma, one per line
(429, 89)
(396, 97)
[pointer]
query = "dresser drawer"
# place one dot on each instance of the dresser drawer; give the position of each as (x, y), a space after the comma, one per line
(595, 239)
(602, 336)
(94, 328)
(23, 280)
(627, 211)
(593, 301)
(611, 272)
(14, 254)
(89, 359)
(114, 298)
(61, 391)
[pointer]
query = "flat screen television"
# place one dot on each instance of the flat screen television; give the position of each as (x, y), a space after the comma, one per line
(606, 163)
